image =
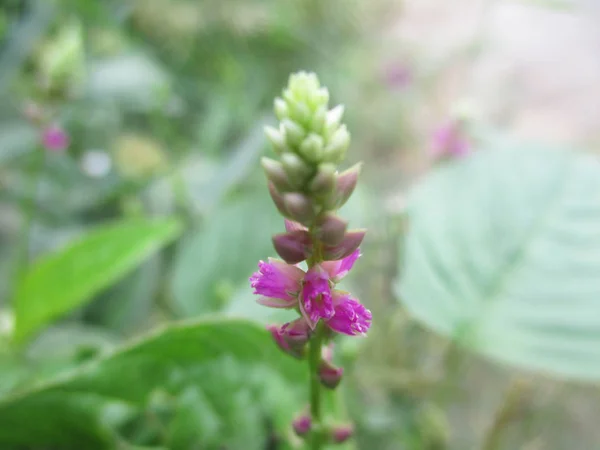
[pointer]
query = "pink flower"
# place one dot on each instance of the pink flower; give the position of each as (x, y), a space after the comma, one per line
(54, 138)
(448, 141)
(350, 317)
(316, 296)
(278, 283)
(339, 269)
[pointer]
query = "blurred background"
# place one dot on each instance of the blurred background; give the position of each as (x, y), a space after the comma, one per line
(153, 108)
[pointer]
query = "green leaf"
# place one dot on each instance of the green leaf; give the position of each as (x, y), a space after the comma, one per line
(503, 255)
(64, 280)
(213, 384)
(211, 264)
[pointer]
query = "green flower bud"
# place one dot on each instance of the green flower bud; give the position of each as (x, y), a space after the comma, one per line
(318, 119)
(333, 120)
(276, 139)
(281, 108)
(294, 133)
(312, 148)
(296, 169)
(337, 145)
(319, 98)
(299, 112)
(324, 181)
(276, 174)
(303, 84)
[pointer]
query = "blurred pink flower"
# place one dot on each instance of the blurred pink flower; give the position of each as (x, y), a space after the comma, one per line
(448, 141)
(55, 138)
(397, 75)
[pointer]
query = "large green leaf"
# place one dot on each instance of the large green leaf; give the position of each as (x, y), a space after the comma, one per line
(503, 254)
(64, 280)
(212, 263)
(211, 383)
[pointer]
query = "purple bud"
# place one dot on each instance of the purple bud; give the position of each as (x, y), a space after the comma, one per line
(55, 138)
(277, 333)
(276, 174)
(277, 199)
(331, 229)
(351, 241)
(448, 141)
(299, 207)
(344, 186)
(324, 181)
(296, 334)
(330, 375)
(290, 225)
(302, 425)
(341, 433)
(293, 247)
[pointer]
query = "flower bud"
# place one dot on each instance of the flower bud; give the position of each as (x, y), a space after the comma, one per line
(296, 334)
(319, 98)
(324, 181)
(276, 333)
(333, 120)
(281, 109)
(331, 229)
(335, 151)
(302, 425)
(330, 375)
(276, 139)
(277, 199)
(312, 148)
(344, 187)
(351, 241)
(293, 247)
(294, 133)
(276, 174)
(296, 169)
(341, 433)
(299, 112)
(299, 207)
(290, 225)
(317, 122)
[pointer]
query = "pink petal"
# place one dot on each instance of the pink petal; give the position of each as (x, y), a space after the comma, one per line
(316, 295)
(350, 316)
(340, 268)
(276, 302)
(290, 225)
(278, 282)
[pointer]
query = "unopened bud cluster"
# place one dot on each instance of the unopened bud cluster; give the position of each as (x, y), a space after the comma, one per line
(309, 142)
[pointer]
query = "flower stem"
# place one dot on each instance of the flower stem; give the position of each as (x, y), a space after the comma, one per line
(314, 359)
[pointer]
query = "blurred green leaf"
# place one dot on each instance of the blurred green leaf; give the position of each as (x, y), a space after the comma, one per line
(64, 280)
(503, 255)
(194, 365)
(212, 263)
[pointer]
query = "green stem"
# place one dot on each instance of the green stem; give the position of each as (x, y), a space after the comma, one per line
(314, 360)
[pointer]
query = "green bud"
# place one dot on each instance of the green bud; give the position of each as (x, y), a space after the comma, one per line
(324, 181)
(319, 98)
(303, 84)
(333, 120)
(337, 145)
(296, 169)
(299, 112)
(281, 108)
(318, 120)
(312, 148)
(276, 139)
(294, 133)
(276, 174)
